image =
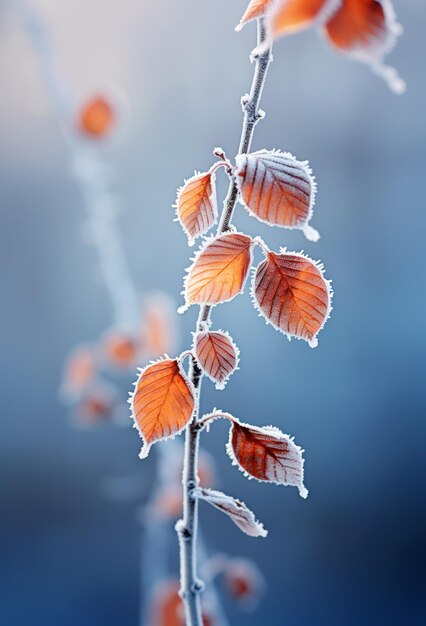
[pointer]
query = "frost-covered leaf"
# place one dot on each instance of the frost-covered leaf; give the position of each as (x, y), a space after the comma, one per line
(162, 403)
(266, 454)
(290, 291)
(219, 270)
(239, 513)
(96, 117)
(256, 8)
(217, 355)
(277, 189)
(196, 205)
(367, 31)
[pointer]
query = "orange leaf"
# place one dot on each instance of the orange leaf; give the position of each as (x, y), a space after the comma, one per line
(277, 189)
(120, 349)
(96, 117)
(162, 403)
(290, 291)
(217, 355)
(239, 513)
(367, 30)
(266, 454)
(289, 16)
(256, 8)
(196, 205)
(219, 270)
(167, 609)
(79, 371)
(158, 325)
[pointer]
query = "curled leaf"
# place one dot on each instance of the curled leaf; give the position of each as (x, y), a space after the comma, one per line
(217, 355)
(219, 270)
(256, 8)
(367, 31)
(196, 205)
(290, 292)
(277, 189)
(266, 454)
(239, 513)
(162, 403)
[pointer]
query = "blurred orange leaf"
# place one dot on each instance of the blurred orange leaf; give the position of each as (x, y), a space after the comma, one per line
(196, 205)
(291, 293)
(96, 117)
(78, 371)
(162, 403)
(120, 349)
(219, 270)
(277, 189)
(217, 355)
(239, 513)
(289, 16)
(266, 454)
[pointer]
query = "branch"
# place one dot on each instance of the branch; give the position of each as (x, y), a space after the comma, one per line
(191, 586)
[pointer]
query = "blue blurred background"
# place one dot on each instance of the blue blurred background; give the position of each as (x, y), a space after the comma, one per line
(354, 552)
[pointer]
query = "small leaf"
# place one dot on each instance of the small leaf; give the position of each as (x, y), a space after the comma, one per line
(219, 270)
(120, 348)
(266, 454)
(256, 8)
(277, 189)
(239, 513)
(290, 291)
(96, 118)
(196, 205)
(217, 355)
(244, 582)
(367, 31)
(162, 403)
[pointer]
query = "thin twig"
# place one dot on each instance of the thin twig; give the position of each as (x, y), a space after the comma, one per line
(191, 586)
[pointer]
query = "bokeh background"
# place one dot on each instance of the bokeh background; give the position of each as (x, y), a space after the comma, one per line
(354, 552)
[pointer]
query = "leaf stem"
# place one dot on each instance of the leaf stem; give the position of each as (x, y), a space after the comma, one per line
(191, 586)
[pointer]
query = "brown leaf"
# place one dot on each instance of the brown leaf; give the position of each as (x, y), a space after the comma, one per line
(239, 513)
(219, 270)
(256, 8)
(217, 355)
(266, 454)
(196, 205)
(162, 403)
(290, 292)
(277, 189)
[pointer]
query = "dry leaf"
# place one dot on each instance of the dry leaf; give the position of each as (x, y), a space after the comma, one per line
(291, 293)
(239, 513)
(266, 454)
(219, 270)
(217, 355)
(162, 403)
(277, 189)
(196, 206)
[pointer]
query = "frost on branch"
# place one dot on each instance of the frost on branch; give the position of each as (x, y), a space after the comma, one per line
(196, 206)
(266, 454)
(290, 292)
(219, 270)
(367, 31)
(217, 355)
(277, 189)
(162, 403)
(239, 513)
(255, 9)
